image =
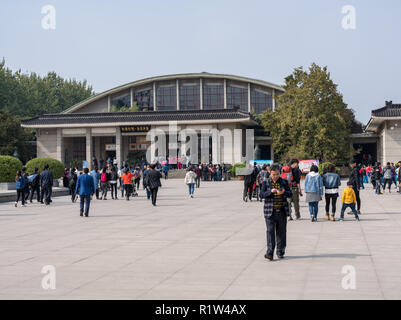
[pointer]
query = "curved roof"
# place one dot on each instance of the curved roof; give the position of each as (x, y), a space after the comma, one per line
(145, 81)
(137, 118)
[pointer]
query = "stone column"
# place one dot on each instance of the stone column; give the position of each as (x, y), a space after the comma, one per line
(177, 86)
(89, 147)
(249, 97)
(154, 97)
(215, 146)
(225, 93)
(131, 92)
(60, 145)
(118, 146)
(201, 93)
(273, 100)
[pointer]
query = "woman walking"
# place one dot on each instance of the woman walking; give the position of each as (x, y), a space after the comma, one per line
(314, 191)
(331, 182)
(104, 183)
(190, 179)
(20, 182)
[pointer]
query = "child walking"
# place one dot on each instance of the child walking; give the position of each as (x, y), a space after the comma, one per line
(348, 201)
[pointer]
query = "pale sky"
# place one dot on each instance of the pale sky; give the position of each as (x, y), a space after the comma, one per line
(110, 43)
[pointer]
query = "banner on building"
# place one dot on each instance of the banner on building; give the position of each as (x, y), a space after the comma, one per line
(305, 165)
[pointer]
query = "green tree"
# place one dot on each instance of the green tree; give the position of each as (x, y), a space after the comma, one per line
(29, 95)
(15, 138)
(312, 121)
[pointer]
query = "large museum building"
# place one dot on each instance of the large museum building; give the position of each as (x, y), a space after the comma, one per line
(96, 127)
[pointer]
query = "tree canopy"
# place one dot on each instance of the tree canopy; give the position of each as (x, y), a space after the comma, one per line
(29, 95)
(312, 121)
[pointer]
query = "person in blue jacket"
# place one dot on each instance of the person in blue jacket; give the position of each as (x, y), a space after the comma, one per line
(314, 191)
(85, 188)
(20, 183)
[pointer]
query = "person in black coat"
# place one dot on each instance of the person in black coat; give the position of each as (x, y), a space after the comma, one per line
(46, 182)
(153, 182)
(73, 184)
(355, 179)
(35, 186)
(249, 181)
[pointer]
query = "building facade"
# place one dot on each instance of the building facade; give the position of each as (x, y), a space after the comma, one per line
(95, 127)
(385, 125)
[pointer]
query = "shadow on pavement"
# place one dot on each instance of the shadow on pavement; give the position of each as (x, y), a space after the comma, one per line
(334, 255)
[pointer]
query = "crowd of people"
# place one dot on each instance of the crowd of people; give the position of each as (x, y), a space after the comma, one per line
(29, 185)
(278, 185)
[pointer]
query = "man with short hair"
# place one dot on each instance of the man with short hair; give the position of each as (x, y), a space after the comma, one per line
(153, 182)
(46, 182)
(275, 191)
(85, 188)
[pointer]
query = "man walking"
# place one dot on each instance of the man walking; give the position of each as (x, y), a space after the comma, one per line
(85, 188)
(46, 182)
(354, 178)
(276, 191)
(153, 182)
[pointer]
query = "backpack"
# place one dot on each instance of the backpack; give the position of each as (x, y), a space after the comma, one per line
(286, 174)
(31, 178)
(103, 177)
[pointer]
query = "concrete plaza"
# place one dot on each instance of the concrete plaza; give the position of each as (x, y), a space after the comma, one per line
(209, 247)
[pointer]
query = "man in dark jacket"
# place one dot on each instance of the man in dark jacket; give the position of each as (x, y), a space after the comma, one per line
(276, 191)
(355, 179)
(153, 182)
(85, 188)
(249, 181)
(35, 185)
(46, 182)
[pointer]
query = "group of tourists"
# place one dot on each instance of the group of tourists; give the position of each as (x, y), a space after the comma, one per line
(381, 177)
(97, 183)
(29, 185)
(280, 187)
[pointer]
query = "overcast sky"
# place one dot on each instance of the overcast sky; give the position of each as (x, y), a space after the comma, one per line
(110, 43)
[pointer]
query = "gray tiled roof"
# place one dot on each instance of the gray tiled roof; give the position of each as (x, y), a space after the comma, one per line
(390, 110)
(149, 116)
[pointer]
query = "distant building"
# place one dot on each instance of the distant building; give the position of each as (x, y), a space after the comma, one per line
(385, 124)
(197, 101)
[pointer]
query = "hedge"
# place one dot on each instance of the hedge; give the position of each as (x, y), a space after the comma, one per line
(55, 166)
(8, 168)
(237, 165)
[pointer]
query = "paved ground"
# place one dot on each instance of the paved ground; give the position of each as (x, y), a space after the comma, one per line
(209, 247)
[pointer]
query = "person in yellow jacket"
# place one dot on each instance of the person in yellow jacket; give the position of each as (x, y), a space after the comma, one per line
(348, 201)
